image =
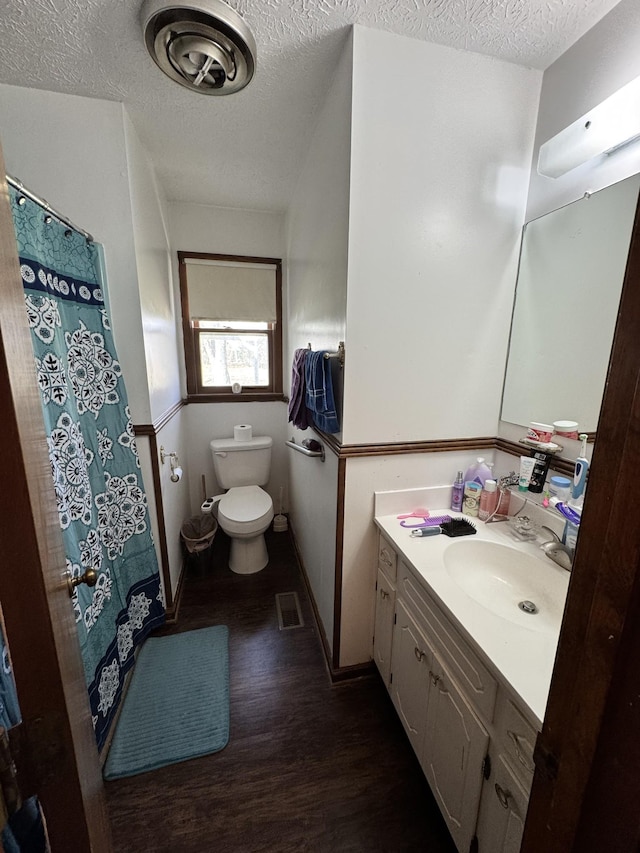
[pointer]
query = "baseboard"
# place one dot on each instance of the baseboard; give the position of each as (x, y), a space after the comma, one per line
(171, 613)
(358, 670)
(336, 674)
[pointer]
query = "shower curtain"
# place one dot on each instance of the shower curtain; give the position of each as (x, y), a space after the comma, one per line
(101, 502)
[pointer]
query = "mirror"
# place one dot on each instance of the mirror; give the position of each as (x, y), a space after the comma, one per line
(572, 265)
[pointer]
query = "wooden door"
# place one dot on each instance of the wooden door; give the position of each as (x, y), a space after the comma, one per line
(56, 756)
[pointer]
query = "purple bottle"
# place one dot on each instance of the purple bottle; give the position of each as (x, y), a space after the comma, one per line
(457, 493)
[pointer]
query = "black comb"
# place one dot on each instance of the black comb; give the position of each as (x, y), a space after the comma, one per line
(458, 527)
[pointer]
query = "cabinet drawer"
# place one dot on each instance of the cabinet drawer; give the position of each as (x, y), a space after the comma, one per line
(477, 682)
(387, 560)
(517, 737)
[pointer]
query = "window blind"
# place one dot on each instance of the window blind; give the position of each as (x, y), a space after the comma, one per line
(221, 291)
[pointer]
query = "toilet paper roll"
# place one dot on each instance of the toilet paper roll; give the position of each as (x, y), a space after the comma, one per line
(242, 432)
(176, 474)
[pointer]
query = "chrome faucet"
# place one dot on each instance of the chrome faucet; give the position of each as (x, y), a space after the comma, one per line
(557, 551)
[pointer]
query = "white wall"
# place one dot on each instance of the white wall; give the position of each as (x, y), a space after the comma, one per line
(155, 281)
(71, 151)
(206, 421)
(317, 240)
(603, 60)
(201, 228)
(84, 157)
(160, 334)
(176, 497)
(318, 226)
(598, 64)
(441, 147)
(380, 473)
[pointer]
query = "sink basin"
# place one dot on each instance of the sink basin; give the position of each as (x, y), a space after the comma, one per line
(499, 578)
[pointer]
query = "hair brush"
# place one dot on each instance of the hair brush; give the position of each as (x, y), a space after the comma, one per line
(458, 527)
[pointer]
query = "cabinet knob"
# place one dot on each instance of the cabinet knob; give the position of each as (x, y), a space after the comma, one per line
(384, 593)
(503, 796)
(418, 653)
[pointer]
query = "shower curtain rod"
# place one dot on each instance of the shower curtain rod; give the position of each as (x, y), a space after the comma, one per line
(20, 187)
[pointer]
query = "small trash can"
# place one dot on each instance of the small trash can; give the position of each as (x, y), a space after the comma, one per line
(198, 531)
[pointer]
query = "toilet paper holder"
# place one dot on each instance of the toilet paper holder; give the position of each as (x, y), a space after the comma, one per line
(174, 462)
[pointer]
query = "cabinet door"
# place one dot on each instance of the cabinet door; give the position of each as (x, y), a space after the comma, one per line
(502, 811)
(454, 747)
(383, 636)
(411, 659)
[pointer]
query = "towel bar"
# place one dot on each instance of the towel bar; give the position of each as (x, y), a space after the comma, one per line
(339, 354)
(305, 450)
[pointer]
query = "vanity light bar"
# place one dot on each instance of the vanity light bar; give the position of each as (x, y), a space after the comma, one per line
(604, 129)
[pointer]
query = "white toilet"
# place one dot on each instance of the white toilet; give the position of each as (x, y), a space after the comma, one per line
(245, 511)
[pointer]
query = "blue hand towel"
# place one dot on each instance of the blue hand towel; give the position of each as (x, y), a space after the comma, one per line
(320, 402)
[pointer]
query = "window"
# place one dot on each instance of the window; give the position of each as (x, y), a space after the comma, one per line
(232, 323)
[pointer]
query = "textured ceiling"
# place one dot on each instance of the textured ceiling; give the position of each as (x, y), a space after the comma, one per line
(244, 150)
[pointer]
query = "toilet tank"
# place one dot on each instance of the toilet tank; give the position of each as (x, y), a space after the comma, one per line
(242, 463)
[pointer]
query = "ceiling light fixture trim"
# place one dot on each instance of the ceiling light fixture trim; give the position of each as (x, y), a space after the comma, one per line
(204, 46)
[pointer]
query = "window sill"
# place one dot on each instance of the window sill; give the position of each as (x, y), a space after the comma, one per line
(244, 397)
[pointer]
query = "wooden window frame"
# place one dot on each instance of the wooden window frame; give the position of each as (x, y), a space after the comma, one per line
(198, 393)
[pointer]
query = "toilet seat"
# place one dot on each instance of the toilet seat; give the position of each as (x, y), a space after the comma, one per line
(244, 508)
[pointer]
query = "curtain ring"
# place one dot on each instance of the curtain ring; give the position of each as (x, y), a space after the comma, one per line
(48, 220)
(22, 200)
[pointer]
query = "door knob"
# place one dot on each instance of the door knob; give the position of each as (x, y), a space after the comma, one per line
(90, 577)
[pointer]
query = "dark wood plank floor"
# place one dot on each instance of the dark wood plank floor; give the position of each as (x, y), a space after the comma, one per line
(309, 766)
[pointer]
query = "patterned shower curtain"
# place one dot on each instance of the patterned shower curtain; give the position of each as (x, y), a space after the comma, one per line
(101, 502)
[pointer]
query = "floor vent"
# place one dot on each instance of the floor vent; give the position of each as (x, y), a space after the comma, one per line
(289, 614)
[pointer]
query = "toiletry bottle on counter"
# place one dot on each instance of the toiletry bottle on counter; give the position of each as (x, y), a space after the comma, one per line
(540, 471)
(471, 501)
(560, 487)
(504, 501)
(488, 500)
(478, 472)
(457, 493)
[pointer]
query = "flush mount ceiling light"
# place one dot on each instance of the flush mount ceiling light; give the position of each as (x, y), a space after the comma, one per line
(205, 46)
(603, 130)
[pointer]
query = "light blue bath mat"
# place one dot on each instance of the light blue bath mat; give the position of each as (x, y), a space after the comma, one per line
(177, 704)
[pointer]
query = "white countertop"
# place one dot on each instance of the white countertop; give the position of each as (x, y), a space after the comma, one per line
(523, 657)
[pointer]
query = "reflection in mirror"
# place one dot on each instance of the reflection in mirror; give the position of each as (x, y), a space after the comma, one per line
(572, 266)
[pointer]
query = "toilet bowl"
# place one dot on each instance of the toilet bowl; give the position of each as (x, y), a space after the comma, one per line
(245, 513)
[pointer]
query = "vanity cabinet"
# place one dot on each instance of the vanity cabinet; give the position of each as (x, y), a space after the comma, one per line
(502, 811)
(385, 608)
(411, 663)
(447, 736)
(453, 753)
(505, 794)
(473, 740)
(383, 629)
